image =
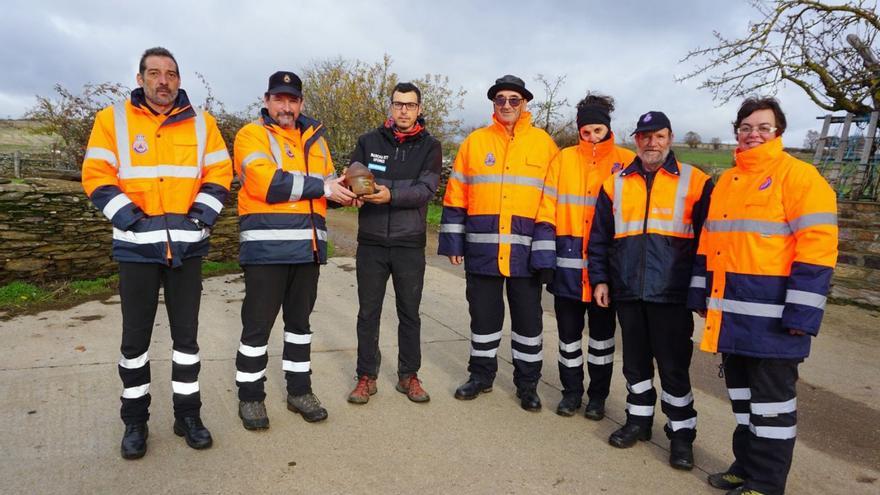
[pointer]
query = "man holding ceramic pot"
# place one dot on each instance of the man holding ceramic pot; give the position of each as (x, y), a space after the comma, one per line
(405, 162)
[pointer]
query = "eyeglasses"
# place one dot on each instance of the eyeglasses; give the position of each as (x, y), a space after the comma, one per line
(398, 105)
(513, 100)
(745, 130)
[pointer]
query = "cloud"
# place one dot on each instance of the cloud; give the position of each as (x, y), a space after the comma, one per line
(626, 48)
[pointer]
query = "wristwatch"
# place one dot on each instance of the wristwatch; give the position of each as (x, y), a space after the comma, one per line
(200, 224)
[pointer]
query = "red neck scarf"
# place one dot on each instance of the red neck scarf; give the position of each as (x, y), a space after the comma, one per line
(401, 136)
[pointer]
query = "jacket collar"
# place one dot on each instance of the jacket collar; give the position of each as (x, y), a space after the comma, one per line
(670, 166)
(600, 149)
(389, 132)
(524, 122)
(181, 110)
(760, 157)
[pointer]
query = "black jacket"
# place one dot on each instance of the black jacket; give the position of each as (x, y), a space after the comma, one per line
(648, 267)
(411, 170)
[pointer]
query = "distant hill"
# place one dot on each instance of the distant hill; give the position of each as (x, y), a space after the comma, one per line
(19, 135)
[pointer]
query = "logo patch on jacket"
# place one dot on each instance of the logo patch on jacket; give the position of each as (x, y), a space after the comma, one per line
(490, 159)
(288, 150)
(765, 184)
(377, 158)
(376, 166)
(616, 167)
(140, 144)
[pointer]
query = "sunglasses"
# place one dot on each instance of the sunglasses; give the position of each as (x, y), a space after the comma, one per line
(514, 101)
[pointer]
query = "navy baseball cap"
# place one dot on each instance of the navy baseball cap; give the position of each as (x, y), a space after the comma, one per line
(652, 121)
(285, 82)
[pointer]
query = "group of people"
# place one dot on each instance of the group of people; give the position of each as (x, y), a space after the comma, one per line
(640, 238)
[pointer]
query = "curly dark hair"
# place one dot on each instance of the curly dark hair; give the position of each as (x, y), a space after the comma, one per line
(599, 100)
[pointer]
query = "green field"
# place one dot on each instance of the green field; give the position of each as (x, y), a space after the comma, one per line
(19, 135)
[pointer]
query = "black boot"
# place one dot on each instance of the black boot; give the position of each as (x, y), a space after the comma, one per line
(595, 409)
(134, 441)
(528, 399)
(193, 431)
(681, 454)
(628, 434)
(471, 389)
(568, 405)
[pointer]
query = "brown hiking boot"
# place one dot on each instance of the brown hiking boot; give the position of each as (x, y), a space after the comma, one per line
(412, 387)
(365, 387)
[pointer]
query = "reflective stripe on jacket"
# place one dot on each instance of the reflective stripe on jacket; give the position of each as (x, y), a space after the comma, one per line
(581, 171)
(642, 241)
(149, 174)
(492, 198)
(281, 205)
(766, 255)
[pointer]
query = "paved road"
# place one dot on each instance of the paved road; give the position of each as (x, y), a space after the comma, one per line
(59, 427)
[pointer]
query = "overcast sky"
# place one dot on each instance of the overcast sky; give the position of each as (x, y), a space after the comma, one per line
(628, 49)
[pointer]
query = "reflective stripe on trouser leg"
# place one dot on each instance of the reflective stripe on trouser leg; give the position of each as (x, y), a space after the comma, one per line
(737, 381)
(570, 360)
(671, 327)
(524, 298)
(486, 307)
(264, 292)
(299, 301)
(183, 288)
(773, 422)
(638, 364)
(600, 349)
(139, 295)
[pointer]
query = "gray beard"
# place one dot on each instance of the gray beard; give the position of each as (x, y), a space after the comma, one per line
(657, 164)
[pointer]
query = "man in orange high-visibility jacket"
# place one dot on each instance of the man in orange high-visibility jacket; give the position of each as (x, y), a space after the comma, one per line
(286, 178)
(488, 221)
(643, 244)
(582, 170)
(762, 273)
(158, 169)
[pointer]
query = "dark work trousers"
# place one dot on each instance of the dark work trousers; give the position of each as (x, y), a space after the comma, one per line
(139, 294)
(663, 332)
(268, 288)
(600, 347)
(486, 306)
(406, 267)
(763, 394)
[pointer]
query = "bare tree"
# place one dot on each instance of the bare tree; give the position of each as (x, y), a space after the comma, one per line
(692, 139)
(811, 140)
(549, 113)
(824, 49)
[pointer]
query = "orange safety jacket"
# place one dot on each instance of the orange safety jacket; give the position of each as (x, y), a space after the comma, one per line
(766, 255)
(153, 174)
(492, 198)
(281, 204)
(642, 241)
(582, 170)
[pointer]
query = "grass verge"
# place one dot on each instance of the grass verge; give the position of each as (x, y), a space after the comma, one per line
(18, 297)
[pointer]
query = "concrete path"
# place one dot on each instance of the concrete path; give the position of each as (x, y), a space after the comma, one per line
(60, 432)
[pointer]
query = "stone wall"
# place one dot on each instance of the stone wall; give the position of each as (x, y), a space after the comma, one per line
(50, 231)
(857, 276)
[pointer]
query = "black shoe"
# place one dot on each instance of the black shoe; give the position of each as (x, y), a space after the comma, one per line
(528, 399)
(471, 389)
(134, 441)
(725, 481)
(568, 405)
(193, 431)
(253, 415)
(595, 409)
(628, 434)
(681, 454)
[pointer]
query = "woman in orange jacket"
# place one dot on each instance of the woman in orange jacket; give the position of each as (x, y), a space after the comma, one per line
(761, 276)
(582, 169)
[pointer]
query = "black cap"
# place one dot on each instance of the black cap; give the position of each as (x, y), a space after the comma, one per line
(285, 82)
(652, 121)
(512, 83)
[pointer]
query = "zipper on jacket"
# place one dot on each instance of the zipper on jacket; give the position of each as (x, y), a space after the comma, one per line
(649, 185)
